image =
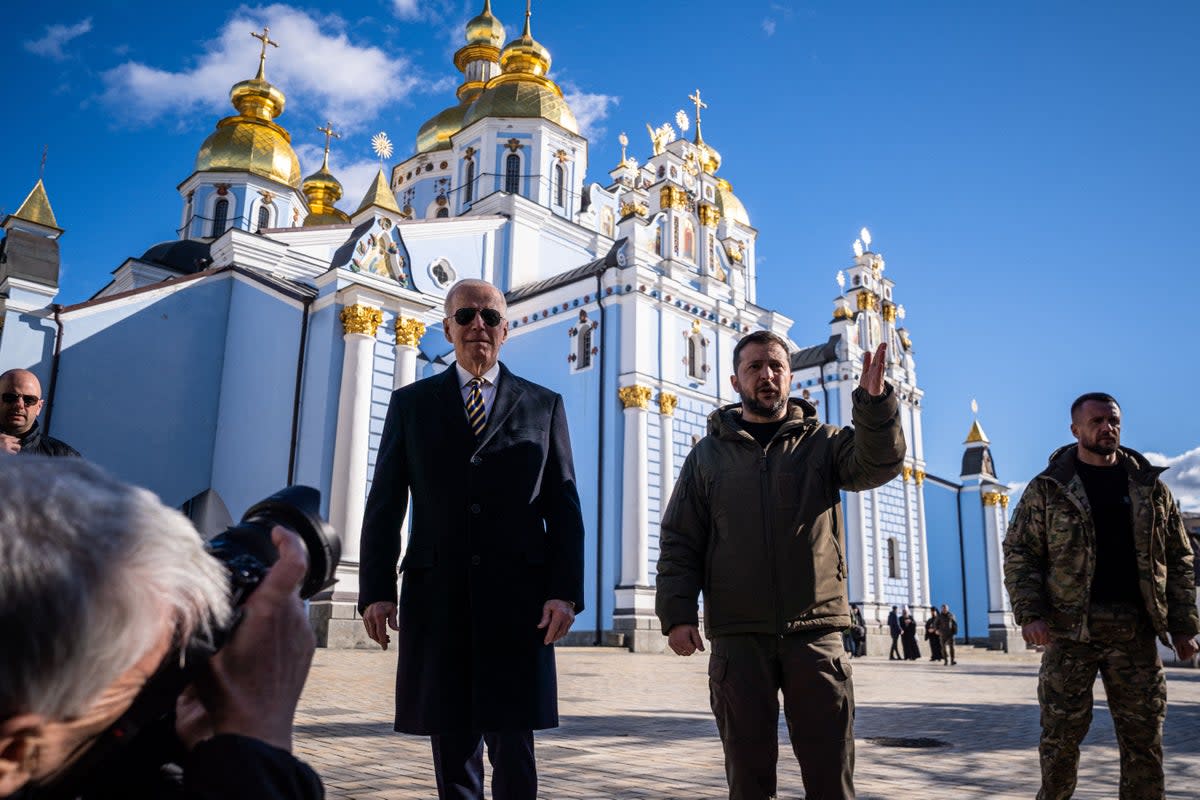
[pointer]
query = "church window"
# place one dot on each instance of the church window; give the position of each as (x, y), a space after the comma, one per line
(658, 240)
(443, 212)
(469, 189)
(606, 222)
(512, 174)
(689, 241)
(442, 273)
(893, 557)
(560, 194)
(220, 217)
(264, 216)
(583, 347)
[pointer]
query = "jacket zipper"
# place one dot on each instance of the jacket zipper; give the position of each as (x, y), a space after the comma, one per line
(765, 493)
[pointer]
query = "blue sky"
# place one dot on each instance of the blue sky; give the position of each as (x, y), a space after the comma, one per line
(1028, 169)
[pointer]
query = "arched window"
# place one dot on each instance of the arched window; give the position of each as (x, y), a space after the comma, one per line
(658, 248)
(893, 557)
(264, 216)
(512, 174)
(443, 212)
(583, 349)
(469, 189)
(689, 241)
(560, 190)
(220, 217)
(607, 224)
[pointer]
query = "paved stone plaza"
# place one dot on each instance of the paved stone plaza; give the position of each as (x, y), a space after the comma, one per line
(638, 726)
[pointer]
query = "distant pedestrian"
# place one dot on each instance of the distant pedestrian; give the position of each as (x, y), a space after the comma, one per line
(908, 635)
(894, 628)
(859, 630)
(1097, 561)
(947, 627)
(932, 636)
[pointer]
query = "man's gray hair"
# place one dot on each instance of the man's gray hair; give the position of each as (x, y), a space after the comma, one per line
(475, 282)
(89, 569)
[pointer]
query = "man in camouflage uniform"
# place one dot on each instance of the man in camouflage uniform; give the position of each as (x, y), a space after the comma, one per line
(1097, 561)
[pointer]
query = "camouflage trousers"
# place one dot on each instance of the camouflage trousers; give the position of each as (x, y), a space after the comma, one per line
(1122, 649)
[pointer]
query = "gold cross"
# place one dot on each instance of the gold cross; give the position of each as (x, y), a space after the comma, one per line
(329, 133)
(265, 39)
(695, 98)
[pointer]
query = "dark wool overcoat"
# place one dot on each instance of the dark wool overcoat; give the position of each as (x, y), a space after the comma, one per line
(496, 532)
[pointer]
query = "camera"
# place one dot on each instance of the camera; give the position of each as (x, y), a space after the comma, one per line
(247, 552)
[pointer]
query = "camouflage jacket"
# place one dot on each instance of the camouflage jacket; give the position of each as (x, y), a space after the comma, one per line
(1049, 555)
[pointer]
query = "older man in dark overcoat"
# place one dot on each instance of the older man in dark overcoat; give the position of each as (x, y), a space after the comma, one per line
(493, 570)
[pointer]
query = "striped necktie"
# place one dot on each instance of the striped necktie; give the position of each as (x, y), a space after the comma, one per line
(476, 417)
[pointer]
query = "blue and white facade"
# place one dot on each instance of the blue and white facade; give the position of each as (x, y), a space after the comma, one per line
(262, 350)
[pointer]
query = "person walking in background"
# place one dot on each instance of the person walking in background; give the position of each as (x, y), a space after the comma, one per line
(1096, 562)
(908, 634)
(932, 636)
(893, 622)
(858, 629)
(947, 627)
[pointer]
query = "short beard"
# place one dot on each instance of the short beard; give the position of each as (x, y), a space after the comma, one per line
(751, 404)
(1100, 449)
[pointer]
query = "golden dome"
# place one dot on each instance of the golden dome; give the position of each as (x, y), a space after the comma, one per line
(522, 88)
(731, 207)
(436, 132)
(522, 99)
(710, 159)
(251, 141)
(485, 29)
(322, 191)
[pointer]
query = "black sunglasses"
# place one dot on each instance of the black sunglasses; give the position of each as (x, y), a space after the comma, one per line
(32, 399)
(491, 317)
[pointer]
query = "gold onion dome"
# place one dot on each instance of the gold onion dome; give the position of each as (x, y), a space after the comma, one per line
(522, 88)
(322, 191)
(730, 206)
(710, 159)
(485, 29)
(436, 132)
(251, 141)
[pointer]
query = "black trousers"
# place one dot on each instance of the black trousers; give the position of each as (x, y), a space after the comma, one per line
(746, 674)
(458, 765)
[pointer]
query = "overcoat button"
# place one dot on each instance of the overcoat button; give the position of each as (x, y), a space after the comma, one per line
(475, 508)
(475, 561)
(476, 460)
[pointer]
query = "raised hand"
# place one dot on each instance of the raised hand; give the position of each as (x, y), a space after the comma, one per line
(872, 371)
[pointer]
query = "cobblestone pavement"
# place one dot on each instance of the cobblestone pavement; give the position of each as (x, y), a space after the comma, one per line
(639, 726)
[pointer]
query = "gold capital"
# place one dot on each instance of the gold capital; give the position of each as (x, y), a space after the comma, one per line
(919, 476)
(710, 216)
(635, 396)
(409, 331)
(908, 473)
(667, 403)
(889, 312)
(995, 498)
(361, 319)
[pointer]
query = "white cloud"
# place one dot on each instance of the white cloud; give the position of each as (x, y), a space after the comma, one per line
(589, 109)
(768, 26)
(1183, 476)
(316, 66)
(406, 9)
(57, 36)
(354, 175)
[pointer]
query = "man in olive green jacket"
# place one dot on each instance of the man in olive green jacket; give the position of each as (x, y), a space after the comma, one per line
(755, 523)
(1097, 561)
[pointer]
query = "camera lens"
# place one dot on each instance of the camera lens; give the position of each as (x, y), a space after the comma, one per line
(299, 508)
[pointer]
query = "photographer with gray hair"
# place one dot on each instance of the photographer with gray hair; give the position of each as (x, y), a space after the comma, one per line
(101, 585)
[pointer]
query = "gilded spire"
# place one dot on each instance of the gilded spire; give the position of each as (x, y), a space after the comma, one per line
(976, 434)
(525, 54)
(36, 207)
(329, 134)
(380, 196)
(710, 159)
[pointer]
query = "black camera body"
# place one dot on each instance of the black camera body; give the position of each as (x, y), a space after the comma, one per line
(247, 552)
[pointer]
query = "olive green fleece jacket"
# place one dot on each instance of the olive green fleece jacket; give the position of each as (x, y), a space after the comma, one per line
(759, 531)
(1049, 550)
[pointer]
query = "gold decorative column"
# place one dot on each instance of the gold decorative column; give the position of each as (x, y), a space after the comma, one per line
(348, 492)
(408, 335)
